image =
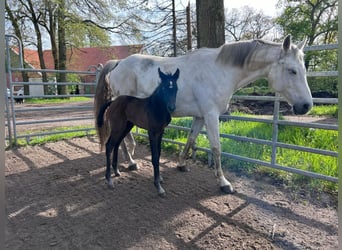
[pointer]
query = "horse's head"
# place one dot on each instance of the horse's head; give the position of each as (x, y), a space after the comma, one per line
(169, 88)
(288, 77)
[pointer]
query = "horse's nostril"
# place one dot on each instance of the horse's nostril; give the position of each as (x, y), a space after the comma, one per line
(306, 106)
(302, 109)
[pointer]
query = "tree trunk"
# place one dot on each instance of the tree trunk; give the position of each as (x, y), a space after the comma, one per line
(61, 47)
(35, 21)
(210, 23)
(53, 38)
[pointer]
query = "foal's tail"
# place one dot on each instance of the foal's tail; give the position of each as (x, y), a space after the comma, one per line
(102, 125)
(103, 95)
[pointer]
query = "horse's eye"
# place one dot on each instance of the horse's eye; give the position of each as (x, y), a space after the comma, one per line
(292, 71)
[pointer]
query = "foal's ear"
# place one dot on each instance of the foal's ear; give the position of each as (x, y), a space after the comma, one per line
(176, 74)
(287, 43)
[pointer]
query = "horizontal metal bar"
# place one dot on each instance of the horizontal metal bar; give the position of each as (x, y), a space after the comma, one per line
(246, 139)
(307, 149)
(53, 83)
(321, 47)
(54, 120)
(325, 100)
(52, 96)
(322, 73)
(309, 125)
(54, 132)
(273, 98)
(280, 167)
(21, 110)
(246, 118)
(53, 71)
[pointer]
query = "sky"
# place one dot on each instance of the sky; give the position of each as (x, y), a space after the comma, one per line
(267, 6)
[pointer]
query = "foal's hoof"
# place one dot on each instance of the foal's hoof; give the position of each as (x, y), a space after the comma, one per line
(133, 167)
(162, 194)
(183, 168)
(227, 189)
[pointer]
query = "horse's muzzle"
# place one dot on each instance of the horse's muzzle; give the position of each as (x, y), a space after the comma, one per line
(302, 108)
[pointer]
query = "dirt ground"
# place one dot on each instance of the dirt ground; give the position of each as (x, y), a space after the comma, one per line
(56, 198)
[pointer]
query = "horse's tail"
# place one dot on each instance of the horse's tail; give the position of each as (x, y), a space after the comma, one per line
(102, 125)
(103, 95)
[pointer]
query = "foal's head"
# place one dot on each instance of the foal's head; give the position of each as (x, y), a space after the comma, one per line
(168, 89)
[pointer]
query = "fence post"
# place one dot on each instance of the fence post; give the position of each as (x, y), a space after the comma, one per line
(275, 129)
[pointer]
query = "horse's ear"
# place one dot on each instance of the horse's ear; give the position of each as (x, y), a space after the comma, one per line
(302, 44)
(161, 74)
(287, 43)
(176, 74)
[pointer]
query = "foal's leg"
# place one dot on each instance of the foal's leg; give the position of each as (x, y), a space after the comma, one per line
(212, 125)
(155, 144)
(120, 135)
(109, 149)
(196, 127)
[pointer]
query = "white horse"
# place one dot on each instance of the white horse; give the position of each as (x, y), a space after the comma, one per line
(209, 78)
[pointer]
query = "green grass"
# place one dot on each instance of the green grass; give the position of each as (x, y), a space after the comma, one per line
(57, 100)
(324, 110)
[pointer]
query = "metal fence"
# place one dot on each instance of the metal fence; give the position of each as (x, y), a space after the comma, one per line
(13, 110)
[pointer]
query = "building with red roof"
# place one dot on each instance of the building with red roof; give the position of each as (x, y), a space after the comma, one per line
(78, 59)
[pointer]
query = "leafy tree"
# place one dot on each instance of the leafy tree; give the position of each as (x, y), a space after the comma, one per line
(315, 20)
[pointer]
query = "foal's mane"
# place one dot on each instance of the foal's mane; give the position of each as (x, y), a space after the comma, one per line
(240, 53)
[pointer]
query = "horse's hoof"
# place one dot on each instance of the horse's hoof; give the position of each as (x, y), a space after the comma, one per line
(227, 189)
(117, 174)
(110, 184)
(133, 167)
(183, 168)
(162, 195)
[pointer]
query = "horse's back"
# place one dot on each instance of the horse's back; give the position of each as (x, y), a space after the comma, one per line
(136, 75)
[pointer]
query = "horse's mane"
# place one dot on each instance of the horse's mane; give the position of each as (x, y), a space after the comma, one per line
(239, 53)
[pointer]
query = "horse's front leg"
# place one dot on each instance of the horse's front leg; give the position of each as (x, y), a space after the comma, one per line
(212, 125)
(197, 124)
(155, 144)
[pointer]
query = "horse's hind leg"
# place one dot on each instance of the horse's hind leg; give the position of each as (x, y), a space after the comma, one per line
(133, 144)
(196, 127)
(132, 165)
